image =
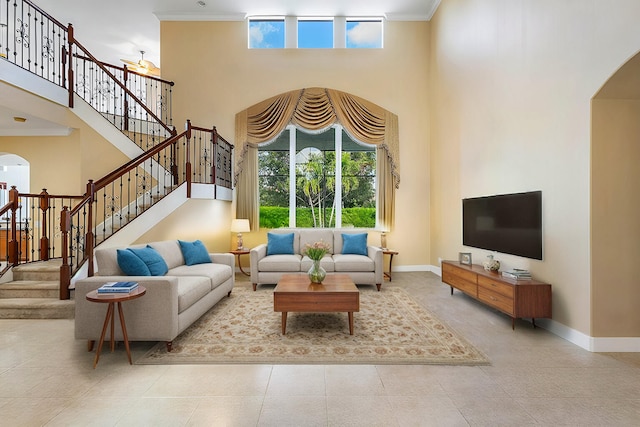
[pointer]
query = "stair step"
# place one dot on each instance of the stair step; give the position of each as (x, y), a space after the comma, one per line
(30, 289)
(39, 270)
(36, 308)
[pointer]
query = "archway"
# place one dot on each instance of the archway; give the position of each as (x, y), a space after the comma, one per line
(615, 204)
(14, 170)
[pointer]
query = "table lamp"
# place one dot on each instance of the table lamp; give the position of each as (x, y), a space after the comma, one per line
(383, 239)
(240, 226)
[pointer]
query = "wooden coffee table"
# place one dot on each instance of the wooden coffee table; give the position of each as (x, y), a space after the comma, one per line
(295, 292)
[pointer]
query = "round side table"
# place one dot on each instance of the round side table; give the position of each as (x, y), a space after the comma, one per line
(237, 253)
(391, 253)
(112, 299)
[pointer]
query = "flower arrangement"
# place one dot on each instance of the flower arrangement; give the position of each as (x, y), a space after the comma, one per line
(316, 251)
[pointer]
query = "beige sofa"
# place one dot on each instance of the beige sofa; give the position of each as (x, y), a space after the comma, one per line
(363, 269)
(172, 302)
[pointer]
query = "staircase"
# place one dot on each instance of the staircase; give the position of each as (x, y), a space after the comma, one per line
(34, 293)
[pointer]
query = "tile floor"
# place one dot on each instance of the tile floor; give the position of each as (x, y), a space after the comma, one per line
(535, 378)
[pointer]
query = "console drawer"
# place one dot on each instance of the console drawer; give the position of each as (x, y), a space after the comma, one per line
(463, 285)
(495, 286)
(494, 299)
(461, 272)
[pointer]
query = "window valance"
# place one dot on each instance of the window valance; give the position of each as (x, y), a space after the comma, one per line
(316, 109)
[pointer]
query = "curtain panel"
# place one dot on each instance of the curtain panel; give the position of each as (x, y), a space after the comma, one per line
(316, 109)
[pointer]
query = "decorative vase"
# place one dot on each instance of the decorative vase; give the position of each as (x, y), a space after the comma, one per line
(317, 273)
(491, 264)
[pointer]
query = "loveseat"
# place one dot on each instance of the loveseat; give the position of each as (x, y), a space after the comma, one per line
(192, 283)
(362, 262)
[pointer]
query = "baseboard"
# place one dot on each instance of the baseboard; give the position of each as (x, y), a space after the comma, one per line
(593, 344)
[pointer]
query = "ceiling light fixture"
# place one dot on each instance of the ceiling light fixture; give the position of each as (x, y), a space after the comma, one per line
(143, 66)
(20, 119)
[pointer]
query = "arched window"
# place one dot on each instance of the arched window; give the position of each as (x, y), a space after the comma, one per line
(316, 110)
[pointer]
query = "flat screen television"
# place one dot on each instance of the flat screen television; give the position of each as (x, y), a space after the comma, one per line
(506, 223)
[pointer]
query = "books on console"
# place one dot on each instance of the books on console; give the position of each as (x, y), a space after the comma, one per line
(117, 287)
(517, 274)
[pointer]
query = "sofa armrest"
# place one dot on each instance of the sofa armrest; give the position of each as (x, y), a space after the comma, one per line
(227, 259)
(256, 255)
(151, 317)
(376, 254)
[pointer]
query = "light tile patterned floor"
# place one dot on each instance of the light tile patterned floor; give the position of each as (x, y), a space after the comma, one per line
(535, 378)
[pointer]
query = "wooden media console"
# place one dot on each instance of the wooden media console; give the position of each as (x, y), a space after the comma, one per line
(515, 298)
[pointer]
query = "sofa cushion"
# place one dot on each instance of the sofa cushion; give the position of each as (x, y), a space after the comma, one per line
(280, 263)
(170, 252)
(279, 244)
(154, 261)
(217, 273)
(350, 262)
(313, 235)
(194, 252)
(131, 264)
(192, 289)
(355, 244)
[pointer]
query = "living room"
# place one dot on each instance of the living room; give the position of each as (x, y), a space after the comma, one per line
(492, 97)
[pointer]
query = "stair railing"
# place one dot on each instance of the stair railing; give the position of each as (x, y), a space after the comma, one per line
(29, 226)
(138, 105)
(113, 201)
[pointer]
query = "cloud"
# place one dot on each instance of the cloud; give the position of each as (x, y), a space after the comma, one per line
(365, 34)
(259, 31)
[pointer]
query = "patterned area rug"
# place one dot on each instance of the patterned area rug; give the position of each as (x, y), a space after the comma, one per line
(391, 328)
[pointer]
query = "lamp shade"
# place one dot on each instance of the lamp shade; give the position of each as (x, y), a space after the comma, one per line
(240, 226)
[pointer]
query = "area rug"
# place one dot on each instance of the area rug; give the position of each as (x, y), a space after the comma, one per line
(390, 328)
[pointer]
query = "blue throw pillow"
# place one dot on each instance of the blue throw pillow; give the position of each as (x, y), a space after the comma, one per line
(279, 244)
(153, 260)
(355, 244)
(194, 252)
(131, 264)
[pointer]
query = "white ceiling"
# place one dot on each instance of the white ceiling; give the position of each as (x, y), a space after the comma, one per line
(119, 29)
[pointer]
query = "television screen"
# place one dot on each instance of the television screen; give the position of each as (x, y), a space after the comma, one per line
(506, 223)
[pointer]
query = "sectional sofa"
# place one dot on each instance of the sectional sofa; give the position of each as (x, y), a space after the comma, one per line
(192, 284)
(364, 266)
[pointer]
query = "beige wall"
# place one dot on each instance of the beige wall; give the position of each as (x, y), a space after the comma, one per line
(206, 220)
(217, 76)
(512, 83)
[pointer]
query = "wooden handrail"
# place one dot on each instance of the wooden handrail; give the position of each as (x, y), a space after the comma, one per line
(102, 182)
(126, 90)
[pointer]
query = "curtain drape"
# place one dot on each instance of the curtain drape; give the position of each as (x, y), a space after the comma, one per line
(316, 109)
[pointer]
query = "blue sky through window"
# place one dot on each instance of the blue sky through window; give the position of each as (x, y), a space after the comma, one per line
(364, 34)
(266, 34)
(315, 34)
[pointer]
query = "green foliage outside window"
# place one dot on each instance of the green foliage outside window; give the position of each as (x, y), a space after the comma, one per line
(278, 217)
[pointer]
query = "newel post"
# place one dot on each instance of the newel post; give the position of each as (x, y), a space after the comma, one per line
(13, 239)
(65, 268)
(188, 159)
(88, 247)
(70, 61)
(44, 236)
